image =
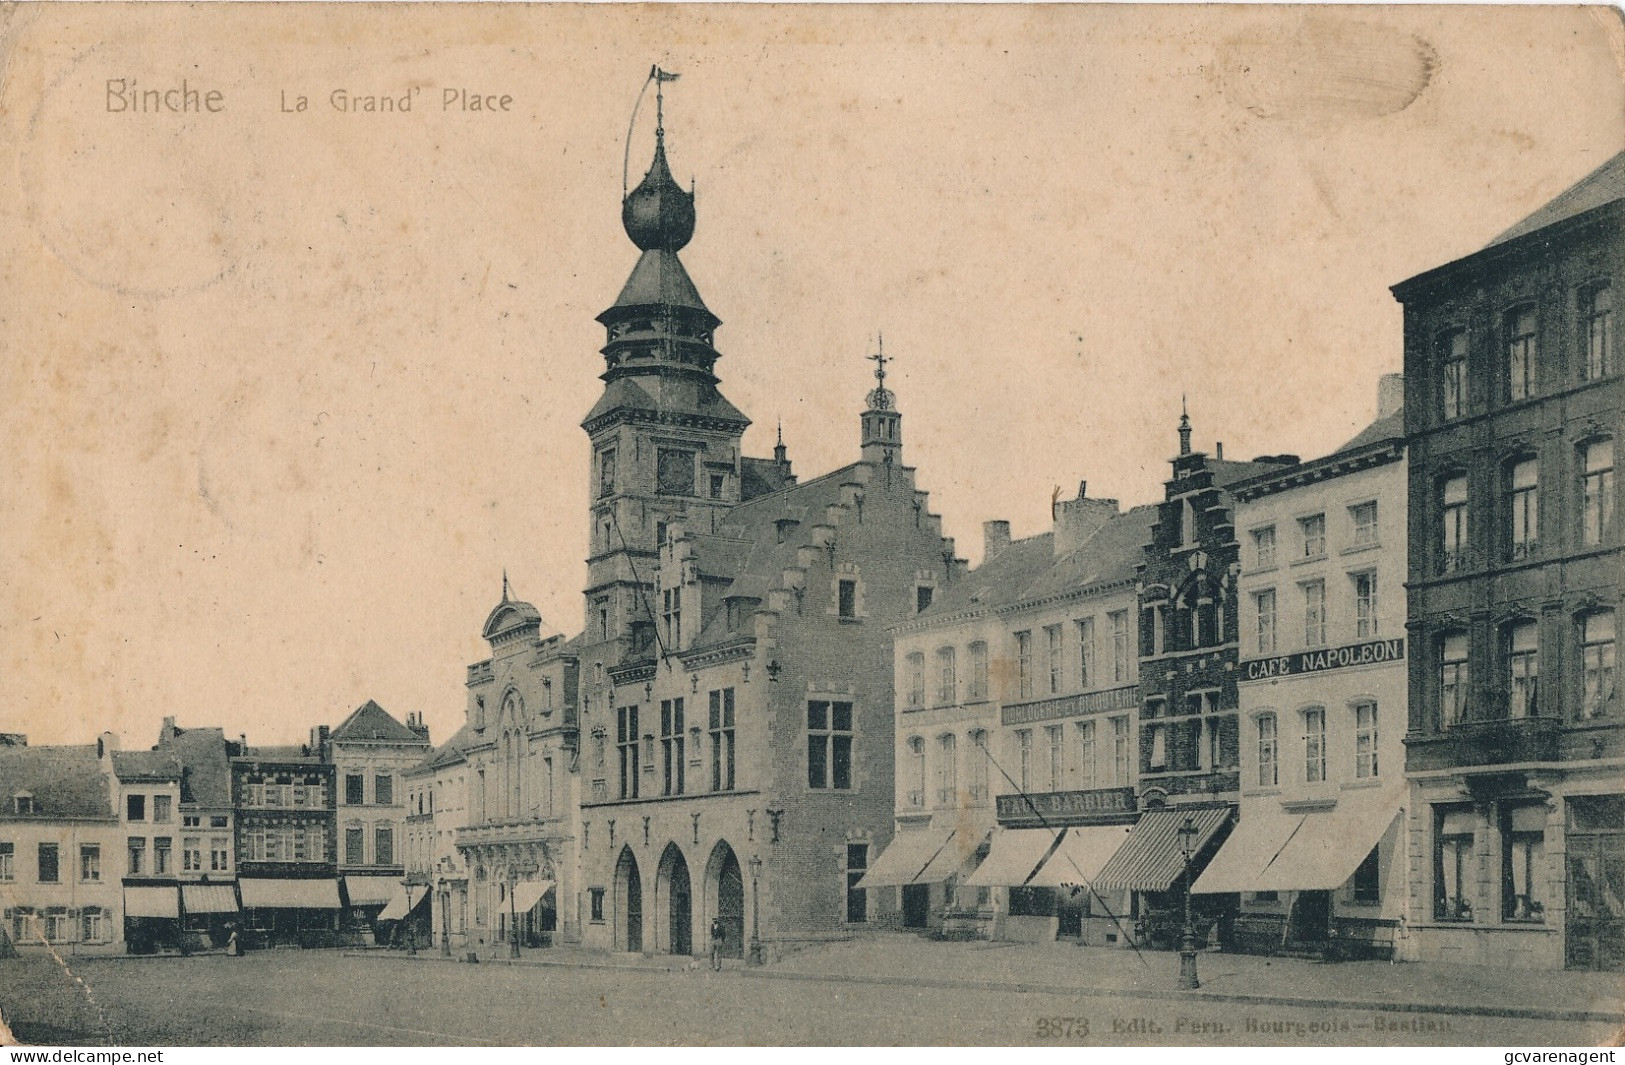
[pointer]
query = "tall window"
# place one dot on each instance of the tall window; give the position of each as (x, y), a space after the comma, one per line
(91, 920)
(1314, 613)
(1523, 669)
(1052, 657)
(136, 856)
(1157, 746)
(383, 790)
(606, 472)
(1523, 861)
(626, 745)
(947, 768)
(672, 616)
(857, 899)
(1521, 353)
(135, 807)
(191, 854)
(1024, 664)
(162, 809)
(915, 663)
(1453, 523)
(671, 747)
(8, 861)
(1454, 679)
(947, 683)
(922, 597)
(915, 774)
(90, 863)
(1314, 745)
(354, 789)
(1264, 547)
(1523, 508)
(1363, 516)
(1597, 490)
(1086, 653)
(846, 598)
(722, 740)
(1452, 864)
(1269, 772)
(1365, 740)
(1122, 665)
(979, 758)
(1597, 320)
(383, 844)
(1086, 754)
(1597, 641)
(1313, 532)
(219, 854)
(1453, 362)
(829, 745)
(1055, 734)
(1264, 609)
(1365, 605)
(1122, 751)
(49, 864)
(1024, 759)
(976, 687)
(355, 845)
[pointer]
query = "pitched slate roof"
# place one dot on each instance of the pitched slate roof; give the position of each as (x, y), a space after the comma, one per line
(659, 280)
(65, 781)
(1391, 427)
(758, 477)
(1603, 185)
(205, 766)
(146, 765)
(999, 580)
(623, 393)
(1112, 554)
(371, 723)
(449, 753)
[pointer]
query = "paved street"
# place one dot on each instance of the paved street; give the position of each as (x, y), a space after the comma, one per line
(321, 998)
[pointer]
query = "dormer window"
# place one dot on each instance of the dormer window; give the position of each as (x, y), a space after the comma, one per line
(25, 803)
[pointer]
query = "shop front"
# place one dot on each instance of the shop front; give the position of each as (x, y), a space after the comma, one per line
(152, 918)
(210, 912)
(928, 867)
(290, 912)
(1167, 848)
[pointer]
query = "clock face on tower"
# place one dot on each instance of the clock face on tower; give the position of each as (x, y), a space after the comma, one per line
(675, 472)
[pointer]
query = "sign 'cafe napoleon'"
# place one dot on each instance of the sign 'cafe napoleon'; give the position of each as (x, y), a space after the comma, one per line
(1369, 653)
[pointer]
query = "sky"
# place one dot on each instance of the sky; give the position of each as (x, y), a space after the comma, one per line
(285, 391)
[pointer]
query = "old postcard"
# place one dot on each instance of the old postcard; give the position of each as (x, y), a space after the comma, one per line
(778, 524)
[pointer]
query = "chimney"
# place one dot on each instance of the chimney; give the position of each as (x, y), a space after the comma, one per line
(1218, 450)
(1390, 394)
(106, 744)
(1078, 519)
(318, 741)
(995, 538)
(166, 735)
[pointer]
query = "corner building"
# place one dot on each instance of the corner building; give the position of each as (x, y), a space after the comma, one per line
(736, 664)
(1516, 747)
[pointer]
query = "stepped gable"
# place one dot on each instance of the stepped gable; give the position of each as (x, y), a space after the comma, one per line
(1603, 185)
(1112, 554)
(205, 765)
(371, 723)
(66, 781)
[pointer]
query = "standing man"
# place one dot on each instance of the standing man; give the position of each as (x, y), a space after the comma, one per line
(719, 937)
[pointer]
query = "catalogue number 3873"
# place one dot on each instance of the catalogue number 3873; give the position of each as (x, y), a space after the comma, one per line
(1063, 1027)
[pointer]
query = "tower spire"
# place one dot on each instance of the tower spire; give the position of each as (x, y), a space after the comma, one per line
(505, 584)
(1184, 427)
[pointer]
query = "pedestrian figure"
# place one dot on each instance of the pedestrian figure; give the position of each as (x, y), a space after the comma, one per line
(234, 946)
(719, 938)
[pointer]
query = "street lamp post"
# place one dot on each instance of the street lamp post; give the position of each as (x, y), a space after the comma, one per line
(445, 919)
(411, 930)
(754, 957)
(1187, 939)
(513, 916)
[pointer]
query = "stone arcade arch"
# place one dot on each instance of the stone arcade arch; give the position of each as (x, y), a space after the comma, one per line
(628, 903)
(674, 903)
(725, 898)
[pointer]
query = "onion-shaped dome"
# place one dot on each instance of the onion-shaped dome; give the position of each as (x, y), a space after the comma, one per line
(658, 214)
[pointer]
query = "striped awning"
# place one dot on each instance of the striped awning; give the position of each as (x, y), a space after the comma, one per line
(290, 894)
(152, 902)
(1153, 856)
(209, 898)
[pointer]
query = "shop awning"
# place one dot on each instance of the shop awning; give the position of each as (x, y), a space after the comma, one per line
(527, 893)
(1083, 852)
(904, 858)
(289, 894)
(1331, 844)
(956, 856)
(1258, 837)
(403, 901)
(209, 898)
(152, 902)
(371, 890)
(1014, 857)
(1152, 857)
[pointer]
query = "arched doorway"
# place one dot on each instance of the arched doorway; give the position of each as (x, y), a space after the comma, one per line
(725, 895)
(676, 900)
(628, 903)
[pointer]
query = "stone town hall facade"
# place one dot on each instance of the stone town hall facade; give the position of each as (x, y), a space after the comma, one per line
(723, 723)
